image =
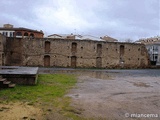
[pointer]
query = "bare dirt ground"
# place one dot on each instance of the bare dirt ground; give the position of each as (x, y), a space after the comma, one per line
(19, 111)
(116, 97)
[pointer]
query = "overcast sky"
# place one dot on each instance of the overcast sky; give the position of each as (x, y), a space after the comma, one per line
(121, 19)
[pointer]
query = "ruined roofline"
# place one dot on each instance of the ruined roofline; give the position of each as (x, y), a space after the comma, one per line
(77, 40)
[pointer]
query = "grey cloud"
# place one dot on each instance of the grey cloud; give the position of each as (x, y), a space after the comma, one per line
(17, 12)
(118, 18)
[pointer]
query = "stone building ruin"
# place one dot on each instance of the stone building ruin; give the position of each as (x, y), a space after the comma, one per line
(52, 52)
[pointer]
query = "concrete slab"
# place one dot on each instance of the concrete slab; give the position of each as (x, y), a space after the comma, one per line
(20, 75)
(18, 70)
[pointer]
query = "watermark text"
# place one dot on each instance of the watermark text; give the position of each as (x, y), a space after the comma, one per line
(138, 115)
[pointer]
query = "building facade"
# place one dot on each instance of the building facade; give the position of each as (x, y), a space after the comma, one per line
(154, 53)
(153, 47)
(150, 40)
(74, 53)
(9, 31)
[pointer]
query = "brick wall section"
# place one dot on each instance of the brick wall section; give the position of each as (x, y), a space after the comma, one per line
(31, 52)
(36, 34)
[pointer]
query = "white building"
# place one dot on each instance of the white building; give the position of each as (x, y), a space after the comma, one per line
(154, 53)
(7, 30)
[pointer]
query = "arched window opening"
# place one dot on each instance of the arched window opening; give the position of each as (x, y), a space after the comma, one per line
(73, 61)
(25, 34)
(18, 34)
(74, 47)
(46, 60)
(99, 49)
(32, 35)
(47, 46)
(121, 50)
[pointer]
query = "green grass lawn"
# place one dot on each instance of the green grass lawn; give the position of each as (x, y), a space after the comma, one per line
(47, 94)
(49, 87)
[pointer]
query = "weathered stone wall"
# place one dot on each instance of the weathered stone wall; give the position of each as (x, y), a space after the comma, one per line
(33, 52)
(2, 47)
(14, 51)
(76, 53)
